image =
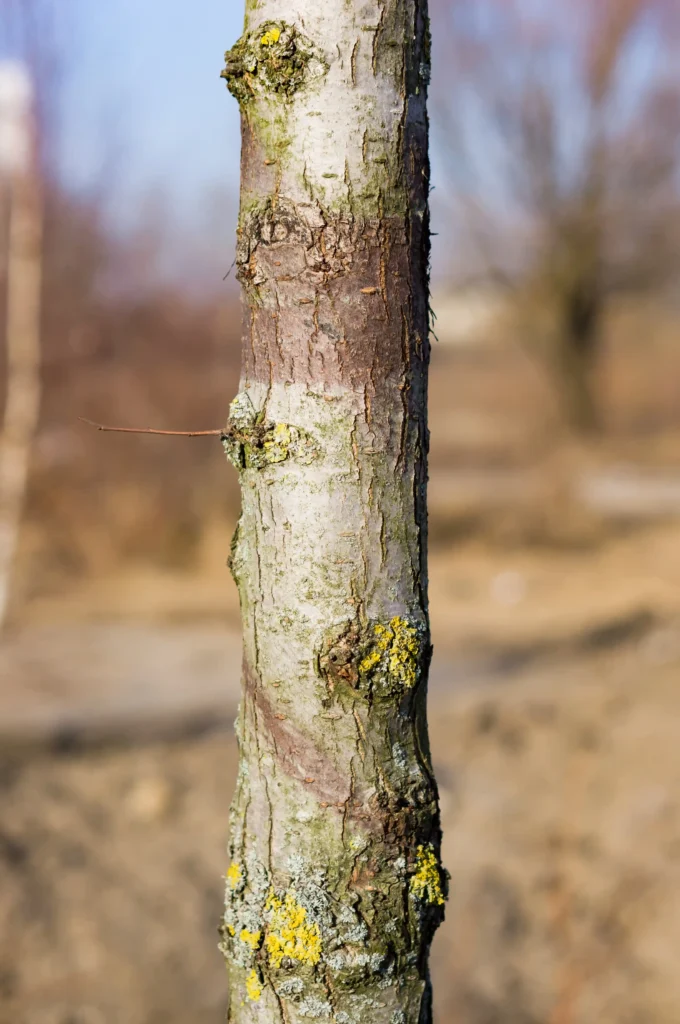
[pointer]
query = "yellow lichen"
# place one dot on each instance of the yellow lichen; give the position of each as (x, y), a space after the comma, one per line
(277, 444)
(234, 875)
(404, 651)
(231, 930)
(253, 987)
(289, 934)
(426, 883)
(400, 644)
(383, 637)
(270, 37)
(252, 939)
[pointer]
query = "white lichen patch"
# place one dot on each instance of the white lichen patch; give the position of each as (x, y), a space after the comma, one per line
(242, 414)
(299, 867)
(351, 959)
(399, 757)
(351, 929)
(315, 1009)
(290, 987)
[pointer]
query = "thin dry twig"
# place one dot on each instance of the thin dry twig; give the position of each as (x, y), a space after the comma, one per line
(150, 430)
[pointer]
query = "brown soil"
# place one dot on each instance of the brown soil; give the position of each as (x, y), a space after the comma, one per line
(562, 822)
(556, 744)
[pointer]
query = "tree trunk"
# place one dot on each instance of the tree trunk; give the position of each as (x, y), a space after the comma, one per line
(579, 344)
(335, 886)
(575, 371)
(22, 339)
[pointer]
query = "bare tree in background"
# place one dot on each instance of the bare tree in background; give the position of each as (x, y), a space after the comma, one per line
(560, 124)
(34, 33)
(23, 266)
(28, 90)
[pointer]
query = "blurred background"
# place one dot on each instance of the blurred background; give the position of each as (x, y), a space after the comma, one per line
(554, 508)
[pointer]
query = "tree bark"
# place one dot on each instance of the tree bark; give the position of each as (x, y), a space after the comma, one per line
(335, 886)
(22, 339)
(579, 344)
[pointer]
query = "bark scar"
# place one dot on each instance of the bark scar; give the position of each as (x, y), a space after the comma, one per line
(296, 752)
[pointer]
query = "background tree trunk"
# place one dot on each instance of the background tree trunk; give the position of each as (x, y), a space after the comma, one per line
(22, 333)
(335, 886)
(579, 346)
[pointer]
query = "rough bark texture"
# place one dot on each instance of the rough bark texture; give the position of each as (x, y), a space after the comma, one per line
(335, 886)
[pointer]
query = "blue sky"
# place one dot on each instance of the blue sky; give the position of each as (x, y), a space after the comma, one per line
(144, 103)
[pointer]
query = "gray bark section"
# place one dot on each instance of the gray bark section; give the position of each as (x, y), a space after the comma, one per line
(335, 886)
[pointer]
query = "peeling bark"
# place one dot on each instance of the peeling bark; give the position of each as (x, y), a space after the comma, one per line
(335, 886)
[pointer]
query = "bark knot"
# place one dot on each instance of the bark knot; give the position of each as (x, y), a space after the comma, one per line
(276, 59)
(383, 659)
(250, 442)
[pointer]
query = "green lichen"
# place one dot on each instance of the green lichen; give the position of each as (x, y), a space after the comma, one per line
(274, 60)
(426, 883)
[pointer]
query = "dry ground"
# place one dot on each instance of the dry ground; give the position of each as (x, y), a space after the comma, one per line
(557, 747)
(560, 792)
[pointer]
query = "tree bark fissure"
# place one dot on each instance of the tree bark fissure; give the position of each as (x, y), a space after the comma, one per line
(335, 886)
